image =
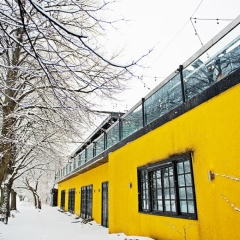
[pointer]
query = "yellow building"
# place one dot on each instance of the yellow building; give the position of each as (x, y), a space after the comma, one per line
(169, 168)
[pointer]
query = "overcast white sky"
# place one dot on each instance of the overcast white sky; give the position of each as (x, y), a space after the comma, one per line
(167, 26)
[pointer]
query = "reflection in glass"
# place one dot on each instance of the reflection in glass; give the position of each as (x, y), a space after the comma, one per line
(186, 166)
(188, 178)
(190, 207)
(173, 206)
(183, 206)
(100, 145)
(89, 152)
(223, 59)
(182, 193)
(113, 136)
(189, 192)
(132, 122)
(164, 100)
(181, 181)
(180, 167)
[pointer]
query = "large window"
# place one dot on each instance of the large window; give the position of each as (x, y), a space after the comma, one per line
(167, 188)
(86, 202)
(62, 205)
(71, 200)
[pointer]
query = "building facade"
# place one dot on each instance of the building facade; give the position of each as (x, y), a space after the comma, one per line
(169, 168)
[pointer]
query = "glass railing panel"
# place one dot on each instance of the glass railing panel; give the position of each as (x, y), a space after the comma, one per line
(83, 158)
(100, 145)
(113, 135)
(164, 100)
(74, 164)
(89, 152)
(132, 122)
(67, 169)
(218, 62)
(79, 160)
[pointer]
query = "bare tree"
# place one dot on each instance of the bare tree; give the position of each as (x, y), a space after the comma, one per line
(52, 66)
(31, 183)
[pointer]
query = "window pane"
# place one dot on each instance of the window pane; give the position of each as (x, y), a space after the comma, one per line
(181, 181)
(160, 206)
(189, 192)
(187, 167)
(166, 193)
(166, 182)
(188, 178)
(159, 183)
(167, 205)
(183, 206)
(154, 206)
(154, 183)
(190, 207)
(182, 193)
(180, 167)
(171, 182)
(173, 206)
(159, 194)
(170, 171)
(172, 192)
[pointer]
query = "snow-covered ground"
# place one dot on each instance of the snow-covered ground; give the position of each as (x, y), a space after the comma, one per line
(50, 224)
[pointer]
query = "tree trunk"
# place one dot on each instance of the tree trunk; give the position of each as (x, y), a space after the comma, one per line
(5, 211)
(39, 203)
(35, 199)
(13, 200)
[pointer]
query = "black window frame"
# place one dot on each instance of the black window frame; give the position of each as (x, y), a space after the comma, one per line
(167, 188)
(86, 202)
(62, 203)
(71, 200)
(105, 202)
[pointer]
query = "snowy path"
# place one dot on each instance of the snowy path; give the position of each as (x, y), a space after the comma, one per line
(50, 224)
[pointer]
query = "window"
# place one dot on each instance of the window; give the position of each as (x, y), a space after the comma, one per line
(71, 200)
(86, 202)
(62, 205)
(167, 188)
(105, 204)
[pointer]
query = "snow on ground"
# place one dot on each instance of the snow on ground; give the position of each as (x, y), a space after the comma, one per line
(50, 224)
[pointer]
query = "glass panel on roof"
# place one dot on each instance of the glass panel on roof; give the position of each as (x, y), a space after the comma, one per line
(100, 145)
(164, 100)
(89, 152)
(132, 122)
(218, 62)
(113, 135)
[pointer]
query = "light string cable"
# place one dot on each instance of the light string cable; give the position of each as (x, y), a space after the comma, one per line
(205, 19)
(177, 34)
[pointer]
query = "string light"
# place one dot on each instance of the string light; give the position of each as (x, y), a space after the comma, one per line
(153, 77)
(210, 19)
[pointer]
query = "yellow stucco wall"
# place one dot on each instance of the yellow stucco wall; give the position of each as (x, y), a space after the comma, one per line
(93, 177)
(212, 132)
